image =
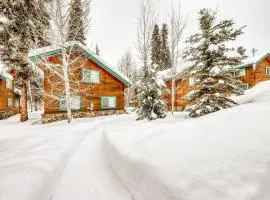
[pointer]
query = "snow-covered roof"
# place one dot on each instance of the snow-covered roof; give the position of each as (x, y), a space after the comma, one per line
(4, 72)
(52, 50)
(167, 74)
(252, 60)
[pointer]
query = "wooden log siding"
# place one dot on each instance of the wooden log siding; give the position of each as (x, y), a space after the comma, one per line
(260, 75)
(89, 93)
(251, 78)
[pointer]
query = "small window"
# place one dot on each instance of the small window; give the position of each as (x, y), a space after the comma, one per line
(75, 103)
(244, 86)
(8, 83)
(9, 102)
(90, 76)
(267, 71)
(193, 80)
(108, 102)
(17, 103)
(240, 73)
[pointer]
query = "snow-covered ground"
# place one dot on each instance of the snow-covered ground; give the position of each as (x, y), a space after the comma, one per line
(224, 156)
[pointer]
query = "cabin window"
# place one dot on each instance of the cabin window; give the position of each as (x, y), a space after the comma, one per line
(8, 83)
(108, 102)
(267, 71)
(240, 72)
(90, 76)
(75, 103)
(17, 103)
(9, 102)
(244, 86)
(193, 80)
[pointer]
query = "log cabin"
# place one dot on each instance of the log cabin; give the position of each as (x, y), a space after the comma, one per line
(9, 96)
(253, 70)
(96, 87)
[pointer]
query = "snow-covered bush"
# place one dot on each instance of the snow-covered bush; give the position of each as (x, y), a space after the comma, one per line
(150, 92)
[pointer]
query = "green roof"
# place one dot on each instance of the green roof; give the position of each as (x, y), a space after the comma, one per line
(76, 46)
(251, 61)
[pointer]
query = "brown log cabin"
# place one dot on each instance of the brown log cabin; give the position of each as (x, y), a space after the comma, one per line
(96, 87)
(253, 70)
(9, 99)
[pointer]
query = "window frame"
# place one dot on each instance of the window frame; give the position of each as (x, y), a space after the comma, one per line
(9, 102)
(90, 71)
(9, 84)
(62, 98)
(237, 71)
(108, 108)
(267, 68)
(246, 86)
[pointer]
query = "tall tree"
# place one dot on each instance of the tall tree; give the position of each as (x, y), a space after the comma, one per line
(165, 55)
(177, 25)
(209, 53)
(145, 27)
(75, 23)
(127, 66)
(25, 26)
(150, 96)
(97, 50)
(156, 46)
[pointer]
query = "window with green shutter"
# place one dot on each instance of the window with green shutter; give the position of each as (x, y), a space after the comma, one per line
(90, 76)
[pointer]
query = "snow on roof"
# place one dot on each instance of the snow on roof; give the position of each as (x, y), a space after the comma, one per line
(55, 49)
(4, 72)
(167, 74)
(253, 60)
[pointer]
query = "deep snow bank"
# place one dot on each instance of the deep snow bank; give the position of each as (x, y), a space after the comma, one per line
(33, 157)
(224, 155)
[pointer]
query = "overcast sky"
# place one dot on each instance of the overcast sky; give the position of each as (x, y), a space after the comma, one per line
(114, 22)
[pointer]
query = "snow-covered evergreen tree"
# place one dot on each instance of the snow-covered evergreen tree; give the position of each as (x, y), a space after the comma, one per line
(150, 91)
(165, 56)
(25, 26)
(75, 23)
(156, 47)
(208, 54)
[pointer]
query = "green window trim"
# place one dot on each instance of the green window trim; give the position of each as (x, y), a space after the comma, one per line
(240, 70)
(62, 98)
(267, 71)
(89, 71)
(9, 102)
(108, 108)
(244, 86)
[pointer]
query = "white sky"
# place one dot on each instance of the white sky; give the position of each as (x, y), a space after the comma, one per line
(114, 22)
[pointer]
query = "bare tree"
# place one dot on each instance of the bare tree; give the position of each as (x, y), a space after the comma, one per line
(63, 72)
(177, 25)
(127, 66)
(146, 22)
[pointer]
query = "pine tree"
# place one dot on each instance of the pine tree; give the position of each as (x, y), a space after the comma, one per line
(75, 23)
(156, 47)
(97, 50)
(150, 91)
(24, 28)
(208, 54)
(165, 56)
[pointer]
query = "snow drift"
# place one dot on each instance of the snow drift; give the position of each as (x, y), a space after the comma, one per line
(224, 155)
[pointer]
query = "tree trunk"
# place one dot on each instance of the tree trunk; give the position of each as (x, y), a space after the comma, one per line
(24, 111)
(172, 95)
(67, 87)
(30, 94)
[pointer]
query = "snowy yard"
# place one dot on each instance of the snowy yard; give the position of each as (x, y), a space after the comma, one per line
(225, 155)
